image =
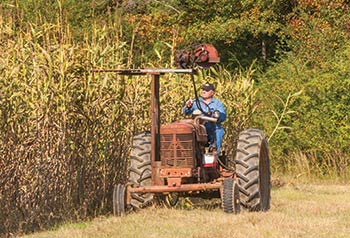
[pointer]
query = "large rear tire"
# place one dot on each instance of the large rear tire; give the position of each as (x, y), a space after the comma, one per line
(253, 170)
(140, 170)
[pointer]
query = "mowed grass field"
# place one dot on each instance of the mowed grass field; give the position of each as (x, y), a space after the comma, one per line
(302, 210)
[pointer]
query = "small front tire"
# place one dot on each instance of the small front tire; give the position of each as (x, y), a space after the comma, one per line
(230, 198)
(119, 200)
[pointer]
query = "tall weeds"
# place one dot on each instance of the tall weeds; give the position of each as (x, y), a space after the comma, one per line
(64, 134)
(328, 166)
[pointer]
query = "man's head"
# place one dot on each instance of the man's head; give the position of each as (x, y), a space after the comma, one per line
(208, 90)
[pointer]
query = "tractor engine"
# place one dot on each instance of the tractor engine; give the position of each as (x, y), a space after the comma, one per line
(183, 152)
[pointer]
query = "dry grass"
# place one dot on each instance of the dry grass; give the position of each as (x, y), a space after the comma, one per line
(296, 211)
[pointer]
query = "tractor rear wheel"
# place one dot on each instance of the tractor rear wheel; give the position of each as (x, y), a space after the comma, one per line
(253, 170)
(230, 196)
(140, 169)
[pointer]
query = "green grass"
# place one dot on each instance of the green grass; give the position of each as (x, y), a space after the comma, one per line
(300, 210)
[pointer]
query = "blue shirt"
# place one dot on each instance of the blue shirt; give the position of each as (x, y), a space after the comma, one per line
(212, 106)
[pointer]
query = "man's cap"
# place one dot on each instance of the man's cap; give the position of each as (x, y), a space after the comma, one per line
(208, 87)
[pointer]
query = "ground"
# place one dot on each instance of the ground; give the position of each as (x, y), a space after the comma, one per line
(297, 210)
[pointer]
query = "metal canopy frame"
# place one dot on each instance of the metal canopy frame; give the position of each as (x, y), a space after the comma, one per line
(155, 106)
(145, 71)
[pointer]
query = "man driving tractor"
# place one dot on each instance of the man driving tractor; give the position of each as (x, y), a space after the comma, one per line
(209, 106)
(173, 159)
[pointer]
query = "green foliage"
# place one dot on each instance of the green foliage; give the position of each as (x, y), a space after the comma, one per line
(243, 31)
(317, 65)
(320, 125)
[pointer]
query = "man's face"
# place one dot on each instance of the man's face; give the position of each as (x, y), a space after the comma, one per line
(207, 94)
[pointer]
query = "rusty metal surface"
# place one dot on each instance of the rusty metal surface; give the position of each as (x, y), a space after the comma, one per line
(177, 150)
(128, 195)
(144, 71)
(181, 188)
(227, 173)
(174, 182)
(186, 126)
(158, 180)
(177, 145)
(169, 129)
(155, 126)
(176, 172)
(201, 132)
(206, 53)
(181, 126)
(203, 55)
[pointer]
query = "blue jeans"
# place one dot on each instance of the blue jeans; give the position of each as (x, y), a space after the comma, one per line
(215, 134)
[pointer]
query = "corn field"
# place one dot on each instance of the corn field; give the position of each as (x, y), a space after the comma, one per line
(65, 133)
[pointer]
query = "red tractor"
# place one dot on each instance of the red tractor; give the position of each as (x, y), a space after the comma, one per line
(174, 159)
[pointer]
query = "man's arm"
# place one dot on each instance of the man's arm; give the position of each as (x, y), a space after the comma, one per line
(188, 108)
(221, 108)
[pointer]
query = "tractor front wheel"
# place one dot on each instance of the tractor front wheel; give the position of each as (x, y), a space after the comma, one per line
(119, 200)
(140, 169)
(253, 170)
(230, 196)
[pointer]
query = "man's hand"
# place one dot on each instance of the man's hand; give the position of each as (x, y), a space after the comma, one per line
(189, 103)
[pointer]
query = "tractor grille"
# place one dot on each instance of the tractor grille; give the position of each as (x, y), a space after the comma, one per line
(176, 150)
